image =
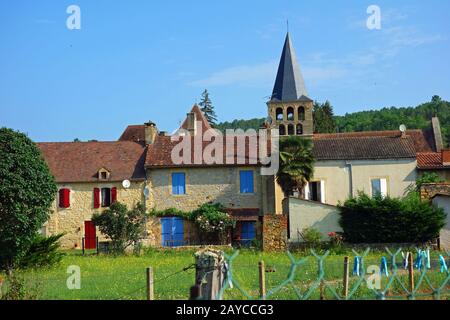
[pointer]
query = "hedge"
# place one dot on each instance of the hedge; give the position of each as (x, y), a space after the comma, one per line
(390, 220)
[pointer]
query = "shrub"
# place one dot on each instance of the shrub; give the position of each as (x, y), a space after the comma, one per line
(124, 227)
(16, 289)
(390, 220)
(27, 190)
(43, 252)
(311, 236)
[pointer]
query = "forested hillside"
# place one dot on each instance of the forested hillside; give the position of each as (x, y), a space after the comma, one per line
(384, 119)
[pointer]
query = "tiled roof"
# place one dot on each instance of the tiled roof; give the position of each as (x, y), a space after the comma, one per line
(200, 117)
(422, 139)
(430, 160)
(80, 161)
(159, 154)
(134, 133)
(363, 147)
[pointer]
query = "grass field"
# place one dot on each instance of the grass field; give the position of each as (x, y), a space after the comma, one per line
(107, 277)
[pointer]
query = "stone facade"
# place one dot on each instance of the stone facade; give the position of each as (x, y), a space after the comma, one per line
(71, 220)
(307, 122)
(274, 232)
(429, 190)
(203, 185)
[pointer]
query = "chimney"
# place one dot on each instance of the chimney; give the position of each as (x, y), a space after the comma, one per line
(446, 157)
(151, 131)
(191, 123)
(437, 134)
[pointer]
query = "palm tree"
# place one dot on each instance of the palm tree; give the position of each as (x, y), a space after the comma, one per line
(296, 164)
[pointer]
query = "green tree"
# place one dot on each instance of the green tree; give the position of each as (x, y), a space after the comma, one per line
(296, 164)
(427, 177)
(124, 227)
(208, 109)
(323, 115)
(27, 190)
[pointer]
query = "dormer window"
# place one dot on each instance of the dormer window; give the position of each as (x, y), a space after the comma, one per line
(103, 174)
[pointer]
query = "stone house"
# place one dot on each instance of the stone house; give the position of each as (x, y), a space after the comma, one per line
(140, 167)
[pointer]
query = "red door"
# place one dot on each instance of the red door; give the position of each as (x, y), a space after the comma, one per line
(90, 237)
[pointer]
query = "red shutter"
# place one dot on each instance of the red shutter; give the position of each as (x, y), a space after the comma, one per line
(113, 195)
(96, 198)
(64, 198)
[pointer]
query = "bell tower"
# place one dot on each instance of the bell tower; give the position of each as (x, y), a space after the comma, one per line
(290, 108)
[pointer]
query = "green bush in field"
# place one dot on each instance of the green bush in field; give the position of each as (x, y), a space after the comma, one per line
(311, 236)
(27, 190)
(124, 227)
(43, 252)
(390, 220)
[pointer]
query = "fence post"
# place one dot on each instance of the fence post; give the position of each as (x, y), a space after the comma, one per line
(209, 273)
(150, 288)
(1, 285)
(346, 274)
(262, 280)
(96, 245)
(411, 275)
(82, 245)
(195, 292)
(322, 290)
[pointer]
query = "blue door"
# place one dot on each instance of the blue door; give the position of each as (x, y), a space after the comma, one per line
(172, 232)
(248, 232)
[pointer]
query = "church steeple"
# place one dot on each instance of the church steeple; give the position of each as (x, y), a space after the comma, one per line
(290, 108)
(289, 83)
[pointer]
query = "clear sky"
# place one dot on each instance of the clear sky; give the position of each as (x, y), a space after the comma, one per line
(134, 61)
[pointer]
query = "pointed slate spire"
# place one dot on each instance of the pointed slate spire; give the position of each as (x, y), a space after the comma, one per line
(289, 84)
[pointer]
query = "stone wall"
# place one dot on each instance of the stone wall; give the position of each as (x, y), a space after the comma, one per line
(71, 220)
(274, 233)
(429, 190)
(203, 185)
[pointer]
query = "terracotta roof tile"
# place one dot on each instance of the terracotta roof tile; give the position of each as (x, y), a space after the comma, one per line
(362, 147)
(430, 160)
(134, 133)
(159, 154)
(200, 117)
(422, 139)
(80, 161)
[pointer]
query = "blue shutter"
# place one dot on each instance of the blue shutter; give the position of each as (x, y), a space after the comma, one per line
(178, 183)
(246, 181)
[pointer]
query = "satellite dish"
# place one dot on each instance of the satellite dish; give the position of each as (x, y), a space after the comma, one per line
(403, 128)
(146, 192)
(126, 184)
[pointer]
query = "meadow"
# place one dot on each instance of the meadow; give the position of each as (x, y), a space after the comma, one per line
(105, 277)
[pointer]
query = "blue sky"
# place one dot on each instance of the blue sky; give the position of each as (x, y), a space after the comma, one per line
(134, 61)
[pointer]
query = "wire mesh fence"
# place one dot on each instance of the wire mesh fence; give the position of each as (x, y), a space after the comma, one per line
(286, 276)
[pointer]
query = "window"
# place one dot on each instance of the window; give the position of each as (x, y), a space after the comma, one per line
(290, 113)
(315, 191)
(178, 183)
(64, 198)
(103, 175)
(301, 113)
(282, 130)
(299, 129)
(379, 187)
(106, 197)
(246, 181)
(279, 114)
(291, 130)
